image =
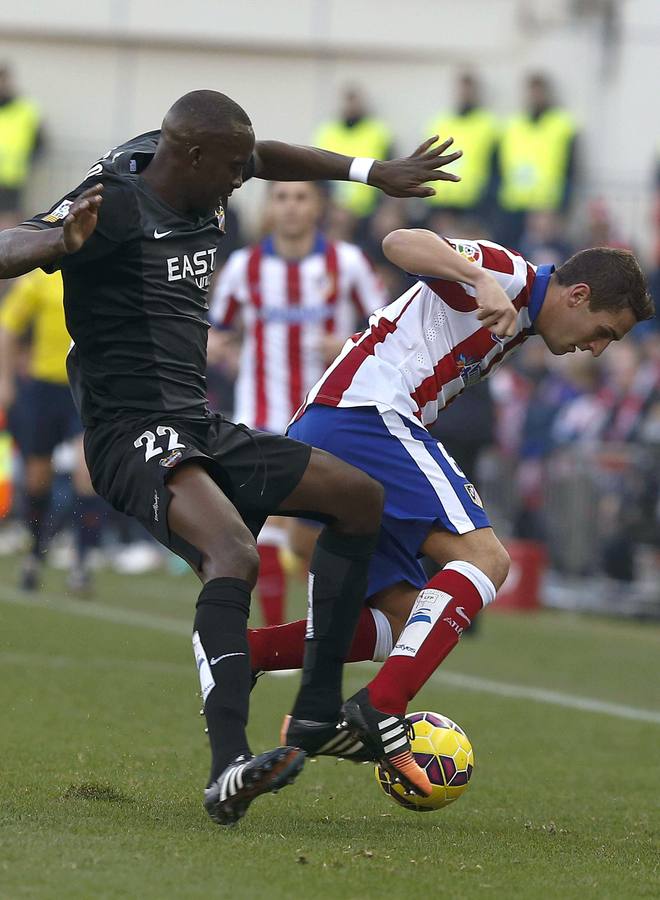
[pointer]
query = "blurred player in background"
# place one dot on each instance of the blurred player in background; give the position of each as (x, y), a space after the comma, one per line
(136, 242)
(44, 416)
(474, 303)
(296, 297)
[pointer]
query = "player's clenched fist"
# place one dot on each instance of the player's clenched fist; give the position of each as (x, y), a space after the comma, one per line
(82, 218)
(496, 312)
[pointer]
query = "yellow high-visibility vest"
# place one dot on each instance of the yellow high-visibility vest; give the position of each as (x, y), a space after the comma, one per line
(534, 159)
(475, 133)
(36, 301)
(19, 122)
(370, 137)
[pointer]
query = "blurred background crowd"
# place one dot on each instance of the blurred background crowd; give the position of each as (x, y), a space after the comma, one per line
(565, 451)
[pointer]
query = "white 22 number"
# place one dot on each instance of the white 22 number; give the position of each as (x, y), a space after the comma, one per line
(149, 438)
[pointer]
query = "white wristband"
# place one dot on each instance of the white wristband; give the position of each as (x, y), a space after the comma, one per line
(360, 168)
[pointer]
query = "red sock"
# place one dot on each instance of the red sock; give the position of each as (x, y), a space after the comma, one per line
(271, 584)
(442, 610)
(282, 647)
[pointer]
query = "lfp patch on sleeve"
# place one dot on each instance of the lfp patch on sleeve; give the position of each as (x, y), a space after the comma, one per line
(60, 212)
(468, 250)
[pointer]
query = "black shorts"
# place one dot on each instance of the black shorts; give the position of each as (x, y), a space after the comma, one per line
(131, 460)
(43, 416)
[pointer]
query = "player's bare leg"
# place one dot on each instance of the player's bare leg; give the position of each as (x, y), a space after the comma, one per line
(302, 540)
(227, 564)
(271, 583)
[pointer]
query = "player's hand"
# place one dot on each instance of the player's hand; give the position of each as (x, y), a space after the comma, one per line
(408, 177)
(496, 312)
(82, 218)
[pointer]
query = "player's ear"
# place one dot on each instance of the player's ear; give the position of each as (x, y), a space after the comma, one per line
(579, 294)
(195, 156)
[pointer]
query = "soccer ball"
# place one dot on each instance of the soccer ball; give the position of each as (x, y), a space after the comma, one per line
(444, 751)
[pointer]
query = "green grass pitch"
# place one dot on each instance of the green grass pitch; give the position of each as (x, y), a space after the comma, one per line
(103, 758)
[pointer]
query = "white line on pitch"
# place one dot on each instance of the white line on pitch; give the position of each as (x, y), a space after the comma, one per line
(115, 614)
(10, 658)
(156, 622)
(540, 695)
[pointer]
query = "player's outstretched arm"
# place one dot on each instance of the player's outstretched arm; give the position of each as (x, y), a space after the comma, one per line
(406, 177)
(25, 248)
(422, 252)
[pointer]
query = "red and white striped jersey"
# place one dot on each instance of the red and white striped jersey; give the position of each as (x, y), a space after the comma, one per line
(287, 307)
(421, 351)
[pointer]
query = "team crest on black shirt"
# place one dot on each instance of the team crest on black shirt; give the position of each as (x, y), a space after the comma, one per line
(171, 460)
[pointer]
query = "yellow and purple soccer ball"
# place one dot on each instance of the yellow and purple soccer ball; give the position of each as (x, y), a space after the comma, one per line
(442, 748)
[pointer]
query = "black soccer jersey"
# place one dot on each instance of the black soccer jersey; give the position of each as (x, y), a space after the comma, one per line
(135, 295)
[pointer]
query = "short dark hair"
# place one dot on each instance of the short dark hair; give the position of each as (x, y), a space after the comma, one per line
(615, 278)
(200, 112)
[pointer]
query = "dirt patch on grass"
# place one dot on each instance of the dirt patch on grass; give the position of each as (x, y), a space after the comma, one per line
(91, 790)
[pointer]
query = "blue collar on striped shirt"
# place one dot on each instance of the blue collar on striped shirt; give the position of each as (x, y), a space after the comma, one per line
(539, 288)
(268, 245)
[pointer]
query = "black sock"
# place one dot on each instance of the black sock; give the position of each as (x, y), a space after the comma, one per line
(338, 583)
(87, 519)
(36, 510)
(223, 662)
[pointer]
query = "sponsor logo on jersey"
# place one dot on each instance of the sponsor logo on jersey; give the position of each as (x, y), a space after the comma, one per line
(199, 266)
(60, 212)
(293, 314)
(160, 234)
(473, 494)
(171, 460)
(155, 506)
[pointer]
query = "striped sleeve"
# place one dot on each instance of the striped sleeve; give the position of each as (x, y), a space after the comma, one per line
(229, 291)
(512, 272)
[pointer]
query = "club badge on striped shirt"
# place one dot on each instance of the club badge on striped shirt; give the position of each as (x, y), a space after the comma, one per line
(473, 494)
